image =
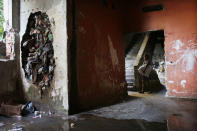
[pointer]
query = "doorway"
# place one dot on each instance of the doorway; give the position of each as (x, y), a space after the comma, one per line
(135, 48)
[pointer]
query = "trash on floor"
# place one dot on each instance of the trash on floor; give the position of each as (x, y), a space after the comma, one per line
(29, 108)
(10, 110)
(17, 109)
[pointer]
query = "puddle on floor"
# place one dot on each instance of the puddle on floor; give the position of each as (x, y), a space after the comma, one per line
(79, 123)
(88, 122)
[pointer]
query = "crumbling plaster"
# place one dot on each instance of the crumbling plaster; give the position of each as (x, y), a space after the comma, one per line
(56, 10)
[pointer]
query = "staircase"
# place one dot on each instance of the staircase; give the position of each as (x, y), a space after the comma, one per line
(131, 54)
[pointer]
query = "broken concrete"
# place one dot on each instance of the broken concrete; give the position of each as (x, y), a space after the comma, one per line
(37, 52)
(56, 11)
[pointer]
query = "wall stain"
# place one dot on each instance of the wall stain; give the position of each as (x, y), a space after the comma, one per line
(113, 53)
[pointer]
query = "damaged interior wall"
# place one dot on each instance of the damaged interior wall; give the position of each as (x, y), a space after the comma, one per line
(57, 96)
(98, 34)
(37, 52)
(100, 53)
(179, 21)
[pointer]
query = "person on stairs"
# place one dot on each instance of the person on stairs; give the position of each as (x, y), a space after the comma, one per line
(144, 71)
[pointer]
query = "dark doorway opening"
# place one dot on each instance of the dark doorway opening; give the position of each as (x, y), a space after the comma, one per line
(138, 44)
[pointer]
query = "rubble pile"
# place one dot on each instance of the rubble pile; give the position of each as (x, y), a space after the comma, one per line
(37, 51)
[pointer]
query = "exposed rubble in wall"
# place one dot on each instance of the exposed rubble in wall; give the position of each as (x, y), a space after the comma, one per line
(37, 51)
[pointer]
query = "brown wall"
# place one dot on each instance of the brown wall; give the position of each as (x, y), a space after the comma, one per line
(8, 79)
(179, 21)
(100, 53)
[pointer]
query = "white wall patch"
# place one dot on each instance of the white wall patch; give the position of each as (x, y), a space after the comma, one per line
(183, 83)
(171, 82)
(178, 44)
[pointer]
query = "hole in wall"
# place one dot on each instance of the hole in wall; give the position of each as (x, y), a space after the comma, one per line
(37, 51)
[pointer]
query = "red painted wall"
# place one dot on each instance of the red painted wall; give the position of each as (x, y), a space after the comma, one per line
(179, 21)
(100, 58)
(100, 53)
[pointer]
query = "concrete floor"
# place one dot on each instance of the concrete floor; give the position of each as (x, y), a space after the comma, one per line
(140, 112)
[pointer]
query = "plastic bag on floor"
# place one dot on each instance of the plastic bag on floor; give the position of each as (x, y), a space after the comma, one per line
(28, 109)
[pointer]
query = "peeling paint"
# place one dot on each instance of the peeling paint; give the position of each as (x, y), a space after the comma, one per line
(171, 82)
(171, 53)
(178, 44)
(189, 41)
(192, 44)
(175, 91)
(188, 57)
(183, 83)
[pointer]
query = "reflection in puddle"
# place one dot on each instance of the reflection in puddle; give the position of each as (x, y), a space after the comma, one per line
(78, 123)
(182, 122)
(87, 122)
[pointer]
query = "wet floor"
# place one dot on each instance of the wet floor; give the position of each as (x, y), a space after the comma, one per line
(31, 124)
(83, 123)
(87, 122)
(141, 112)
(92, 123)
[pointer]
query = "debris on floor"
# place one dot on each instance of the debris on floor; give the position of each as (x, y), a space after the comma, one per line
(72, 125)
(152, 112)
(37, 51)
(17, 109)
(29, 108)
(10, 110)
